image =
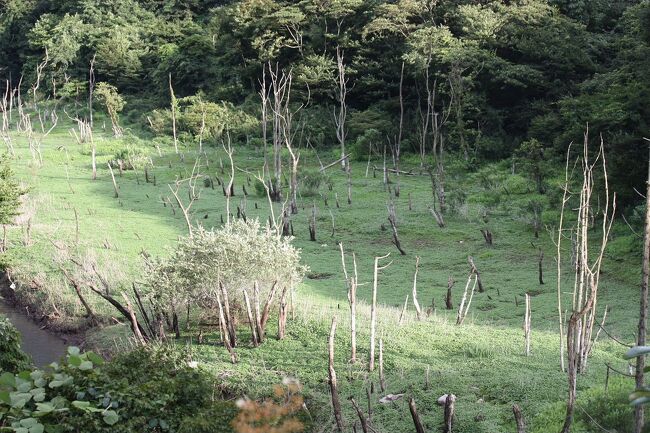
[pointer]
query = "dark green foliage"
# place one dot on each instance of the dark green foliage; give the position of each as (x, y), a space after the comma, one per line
(215, 419)
(599, 410)
(11, 357)
(10, 192)
(310, 182)
(504, 72)
(151, 389)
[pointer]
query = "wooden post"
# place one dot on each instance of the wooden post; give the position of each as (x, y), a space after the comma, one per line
(541, 258)
(336, 405)
(419, 428)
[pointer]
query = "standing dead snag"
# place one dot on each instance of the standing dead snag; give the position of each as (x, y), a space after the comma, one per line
(641, 336)
(527, 324)
(450, 285)
(487, 235)
(362, 418)
(115, 187)
(519, 419)
(587, 276)
(352, 283)
(251, 320)
(174, 107)
(416, 304)
(336, 404)
(419, 428)
(192, 194)
(312, 223)
(470, 259)
(228, 189)
(392, 219)
(382, 382)
(449, 413)
(373, 309)
(462, 309)
(401, 316)
(540, 269)
(282, 314)
(339, 118)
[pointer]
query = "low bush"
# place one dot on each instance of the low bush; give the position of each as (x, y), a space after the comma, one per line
(12, 358)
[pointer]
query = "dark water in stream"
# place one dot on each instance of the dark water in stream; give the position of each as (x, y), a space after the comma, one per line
(44, 347)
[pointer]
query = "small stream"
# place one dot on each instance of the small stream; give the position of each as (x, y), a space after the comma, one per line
(44, 347)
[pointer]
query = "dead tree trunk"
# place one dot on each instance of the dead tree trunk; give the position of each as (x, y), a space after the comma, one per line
(174, 107)
(351, 283)
(362, 418)
(312, 223)
(382, 382)
(282, 315)
(462, 308)
(519, 419)
(641, 335)
(336, 405)
(478, 274)
(587, 277)
(540, 268)
(340, 117)
(373, 310)
(449, 413)
(416, 304)
(251, 320)
(527, 324)
(450, 285)
(392, 219)
(115, 187)
(419, 428)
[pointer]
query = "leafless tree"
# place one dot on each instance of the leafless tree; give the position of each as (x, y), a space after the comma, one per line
(643, 313)
(192, 183)
(341, 114)
(373, 309)
(174, 107)
(579, 336)
(280, 90)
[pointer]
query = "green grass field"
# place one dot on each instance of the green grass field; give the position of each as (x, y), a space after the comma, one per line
(482, 361)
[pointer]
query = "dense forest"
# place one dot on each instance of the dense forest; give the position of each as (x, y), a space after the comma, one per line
(504, 76)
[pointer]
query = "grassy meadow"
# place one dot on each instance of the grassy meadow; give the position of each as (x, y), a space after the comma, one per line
(482, 361)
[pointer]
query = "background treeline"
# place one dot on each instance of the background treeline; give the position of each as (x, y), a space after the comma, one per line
(513, 77)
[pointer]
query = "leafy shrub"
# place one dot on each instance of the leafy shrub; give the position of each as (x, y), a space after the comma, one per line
(131, 157)
(235, 256)
(217, 418)
(151, 389)
(610, 409)
(11, 357)
(32, 401)
(311, 181)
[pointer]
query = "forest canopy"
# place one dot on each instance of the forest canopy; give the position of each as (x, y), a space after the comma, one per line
(504, 72)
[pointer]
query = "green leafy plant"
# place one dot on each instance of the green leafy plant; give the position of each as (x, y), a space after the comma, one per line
(38, 400)
(11, 357)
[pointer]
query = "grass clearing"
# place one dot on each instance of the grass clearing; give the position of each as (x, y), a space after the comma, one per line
(482, 362)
